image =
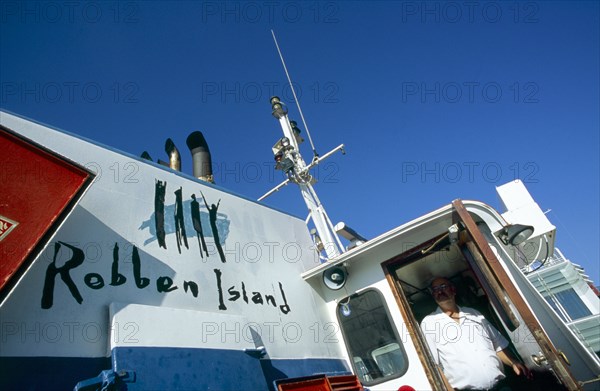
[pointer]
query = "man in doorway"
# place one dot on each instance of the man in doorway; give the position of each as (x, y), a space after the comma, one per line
(468, 349)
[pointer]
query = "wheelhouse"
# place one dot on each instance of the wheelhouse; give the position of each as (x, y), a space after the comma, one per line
(384, 296)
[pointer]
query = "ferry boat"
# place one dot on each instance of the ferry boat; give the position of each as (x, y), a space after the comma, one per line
(161, 280)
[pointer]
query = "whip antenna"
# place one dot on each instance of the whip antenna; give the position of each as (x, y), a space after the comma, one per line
(295, 97)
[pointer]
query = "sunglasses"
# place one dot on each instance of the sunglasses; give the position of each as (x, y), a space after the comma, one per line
(440, 287)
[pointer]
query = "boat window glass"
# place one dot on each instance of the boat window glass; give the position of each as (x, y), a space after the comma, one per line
(376, 352)
(570, 302)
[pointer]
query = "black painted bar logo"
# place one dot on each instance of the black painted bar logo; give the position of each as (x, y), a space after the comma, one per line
(219, 230)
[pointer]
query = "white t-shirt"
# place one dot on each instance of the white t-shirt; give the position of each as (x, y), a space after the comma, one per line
(466, 351)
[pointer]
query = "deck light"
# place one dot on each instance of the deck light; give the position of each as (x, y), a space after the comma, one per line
(278, 110)
(346, 311)
(515, 234)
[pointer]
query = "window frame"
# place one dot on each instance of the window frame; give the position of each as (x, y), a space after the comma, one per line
(393, 330)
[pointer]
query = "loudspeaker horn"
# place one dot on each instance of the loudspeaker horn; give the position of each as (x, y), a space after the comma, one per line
(335, 278)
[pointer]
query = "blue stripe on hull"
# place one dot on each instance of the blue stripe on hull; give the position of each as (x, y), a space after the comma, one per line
(189, 369)
(48, 373)
(162, 369)
(212, 369)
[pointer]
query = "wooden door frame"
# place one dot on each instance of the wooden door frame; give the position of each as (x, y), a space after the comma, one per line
(492, 268)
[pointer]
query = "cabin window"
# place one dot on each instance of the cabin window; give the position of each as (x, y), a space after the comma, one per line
(568, 305)
(373, 345)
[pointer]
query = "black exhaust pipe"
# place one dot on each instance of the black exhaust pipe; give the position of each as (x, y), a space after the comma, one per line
(201, 161)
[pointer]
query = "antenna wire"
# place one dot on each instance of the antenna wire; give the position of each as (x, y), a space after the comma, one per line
(294, 93)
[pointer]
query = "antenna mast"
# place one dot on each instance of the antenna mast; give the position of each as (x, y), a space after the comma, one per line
(290, 161)
(312, 145)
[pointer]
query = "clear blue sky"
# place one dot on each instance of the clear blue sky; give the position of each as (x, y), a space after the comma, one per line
(434, 101)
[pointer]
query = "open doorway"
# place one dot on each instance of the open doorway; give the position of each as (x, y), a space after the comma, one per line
(467, 268)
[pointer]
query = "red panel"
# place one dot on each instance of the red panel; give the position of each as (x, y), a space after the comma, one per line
(321, 383)
(307, 385)
(36, 187)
